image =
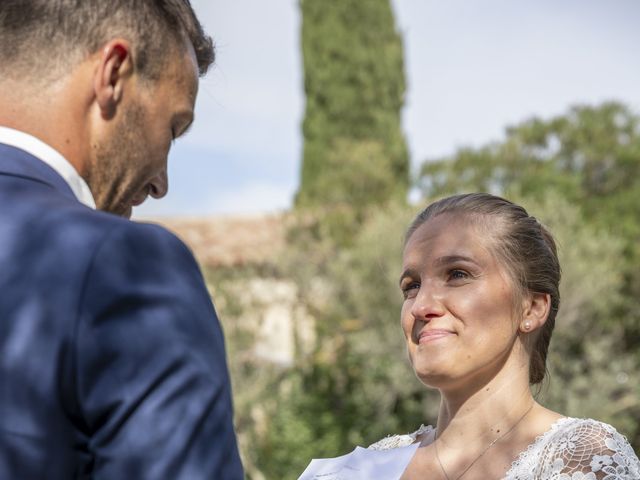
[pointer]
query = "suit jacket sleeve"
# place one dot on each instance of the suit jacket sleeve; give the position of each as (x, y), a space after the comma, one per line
(152, 381)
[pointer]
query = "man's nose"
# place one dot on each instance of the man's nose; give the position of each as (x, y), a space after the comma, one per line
(159, 185)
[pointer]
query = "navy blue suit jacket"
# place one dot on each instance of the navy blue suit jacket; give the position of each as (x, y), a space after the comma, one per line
(112, 361)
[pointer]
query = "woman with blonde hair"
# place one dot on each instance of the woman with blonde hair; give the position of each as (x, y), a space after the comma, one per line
(480, 280)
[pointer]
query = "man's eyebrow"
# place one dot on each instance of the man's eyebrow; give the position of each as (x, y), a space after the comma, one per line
(185, 130)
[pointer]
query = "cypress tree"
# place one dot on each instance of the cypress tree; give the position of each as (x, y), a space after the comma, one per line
(355, 155)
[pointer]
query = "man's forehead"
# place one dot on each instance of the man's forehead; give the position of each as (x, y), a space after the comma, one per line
(184, 74)
(191, 72)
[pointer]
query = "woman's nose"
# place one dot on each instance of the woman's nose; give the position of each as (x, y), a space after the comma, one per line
(427, 304)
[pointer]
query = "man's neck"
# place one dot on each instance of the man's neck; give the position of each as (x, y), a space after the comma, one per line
(46, 114)
(51, 157)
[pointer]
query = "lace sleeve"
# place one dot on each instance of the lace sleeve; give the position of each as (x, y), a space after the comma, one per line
(396, 441)
(589, 450)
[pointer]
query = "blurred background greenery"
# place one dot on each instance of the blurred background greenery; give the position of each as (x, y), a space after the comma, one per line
(345, 379)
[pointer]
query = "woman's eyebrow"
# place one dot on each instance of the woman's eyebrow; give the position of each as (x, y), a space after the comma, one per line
(409, 272)
(447, 259)
(439, 262)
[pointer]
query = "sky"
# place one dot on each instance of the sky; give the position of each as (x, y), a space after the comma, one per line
(472, 68)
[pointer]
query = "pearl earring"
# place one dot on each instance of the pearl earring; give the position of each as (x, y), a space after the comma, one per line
(527, 326)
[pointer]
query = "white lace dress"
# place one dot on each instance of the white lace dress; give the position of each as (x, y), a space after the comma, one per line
(572, 449)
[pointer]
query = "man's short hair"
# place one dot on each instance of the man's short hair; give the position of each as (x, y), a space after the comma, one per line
(45, 37)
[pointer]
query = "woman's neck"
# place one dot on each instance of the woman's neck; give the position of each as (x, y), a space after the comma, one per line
(482, 411)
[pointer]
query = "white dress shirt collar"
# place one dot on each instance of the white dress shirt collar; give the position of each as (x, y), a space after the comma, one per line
(51, 157)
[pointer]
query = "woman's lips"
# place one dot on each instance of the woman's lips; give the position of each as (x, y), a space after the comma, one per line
(432, 334)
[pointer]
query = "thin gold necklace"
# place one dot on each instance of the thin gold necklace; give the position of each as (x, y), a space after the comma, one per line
(435, 444)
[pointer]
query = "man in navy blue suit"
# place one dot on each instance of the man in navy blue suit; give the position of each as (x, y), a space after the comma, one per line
(112, 361)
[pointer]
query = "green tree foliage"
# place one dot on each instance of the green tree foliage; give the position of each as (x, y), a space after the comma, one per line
(355, 154)
(588, 158)
(356, 386)
(577, 173)
(591, 373)
(591, 156)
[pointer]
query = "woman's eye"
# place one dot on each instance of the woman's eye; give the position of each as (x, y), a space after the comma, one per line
(458, 275)
(410, 290)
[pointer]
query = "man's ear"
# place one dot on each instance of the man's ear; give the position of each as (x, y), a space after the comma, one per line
(536, 311)
(114, 69)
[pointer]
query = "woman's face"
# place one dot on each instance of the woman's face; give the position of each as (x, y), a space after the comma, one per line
(457, 315)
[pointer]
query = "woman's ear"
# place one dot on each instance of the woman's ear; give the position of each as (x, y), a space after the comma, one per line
(536, 311)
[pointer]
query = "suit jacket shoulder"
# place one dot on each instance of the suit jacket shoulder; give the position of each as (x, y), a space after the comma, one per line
(112, 360)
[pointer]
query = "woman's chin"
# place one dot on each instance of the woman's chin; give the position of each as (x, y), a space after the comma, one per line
(432, 378)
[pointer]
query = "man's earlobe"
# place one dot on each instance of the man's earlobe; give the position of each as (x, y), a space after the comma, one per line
(113, 68)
